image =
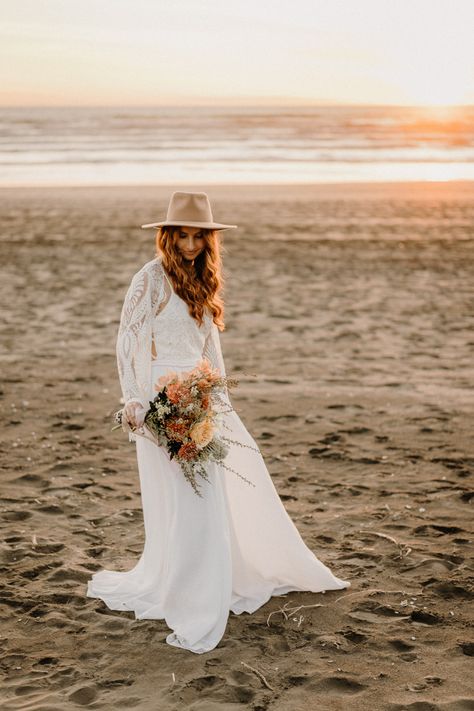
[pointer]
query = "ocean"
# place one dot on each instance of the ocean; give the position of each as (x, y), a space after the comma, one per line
(215, 145)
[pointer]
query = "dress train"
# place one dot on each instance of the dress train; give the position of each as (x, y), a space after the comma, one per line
(230, 551)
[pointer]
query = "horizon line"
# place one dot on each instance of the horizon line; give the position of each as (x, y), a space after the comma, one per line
(217, 104)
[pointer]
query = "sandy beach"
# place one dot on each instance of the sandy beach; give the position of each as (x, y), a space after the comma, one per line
(350, 328)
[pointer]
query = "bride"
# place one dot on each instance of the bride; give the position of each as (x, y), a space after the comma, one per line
(235, 547)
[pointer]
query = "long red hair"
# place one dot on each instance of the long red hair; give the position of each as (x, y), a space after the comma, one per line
(205, 288)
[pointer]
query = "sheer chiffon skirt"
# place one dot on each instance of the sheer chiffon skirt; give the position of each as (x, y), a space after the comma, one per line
(231, 550)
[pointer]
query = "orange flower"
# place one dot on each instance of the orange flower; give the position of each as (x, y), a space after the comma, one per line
(178, 394)
(188, 451)
(176, 430)
(172, 391)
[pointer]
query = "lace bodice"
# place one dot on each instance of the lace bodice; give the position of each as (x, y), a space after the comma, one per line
(177, 337)
(155, 318)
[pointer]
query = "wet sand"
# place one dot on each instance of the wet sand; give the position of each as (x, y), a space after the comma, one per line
(350, 328)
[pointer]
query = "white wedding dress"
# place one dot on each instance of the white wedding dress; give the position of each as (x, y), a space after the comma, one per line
(230, 550)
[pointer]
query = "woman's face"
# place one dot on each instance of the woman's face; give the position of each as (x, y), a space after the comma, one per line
(190, 241)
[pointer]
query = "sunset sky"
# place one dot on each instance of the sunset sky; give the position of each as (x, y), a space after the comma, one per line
(155, 52)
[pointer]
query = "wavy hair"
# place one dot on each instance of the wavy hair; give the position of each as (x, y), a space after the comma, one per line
(202, 290)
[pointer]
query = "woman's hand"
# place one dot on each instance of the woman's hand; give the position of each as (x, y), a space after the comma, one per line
(134, 413)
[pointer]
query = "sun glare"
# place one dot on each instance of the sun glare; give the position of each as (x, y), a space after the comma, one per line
(432, 59)
(437, 90)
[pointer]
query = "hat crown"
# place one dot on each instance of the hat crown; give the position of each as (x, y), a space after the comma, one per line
(194, 207)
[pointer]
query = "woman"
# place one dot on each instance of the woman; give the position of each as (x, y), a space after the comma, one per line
(235, 547)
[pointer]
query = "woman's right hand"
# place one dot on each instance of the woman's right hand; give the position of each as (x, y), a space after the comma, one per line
(134, 413)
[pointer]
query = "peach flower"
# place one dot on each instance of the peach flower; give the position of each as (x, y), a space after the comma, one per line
(202, 433)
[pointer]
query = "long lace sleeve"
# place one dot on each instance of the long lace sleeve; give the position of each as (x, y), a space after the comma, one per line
(131, 333)
(134, 340)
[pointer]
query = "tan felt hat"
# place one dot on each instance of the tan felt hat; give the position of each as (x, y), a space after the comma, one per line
(191, 209)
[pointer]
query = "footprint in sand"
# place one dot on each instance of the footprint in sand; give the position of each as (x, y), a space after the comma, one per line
(16, 515)
(354, 636)
(467, 648)
(371, 611)
(83, 696)
(33, 573)
(223, 691)
(425, 618)
(49, 547)
(421, 705)
(51, 509)
(450, 590)
(48, 661)
(338, 685)
(64, 575)
(31, 479)
(400, 645)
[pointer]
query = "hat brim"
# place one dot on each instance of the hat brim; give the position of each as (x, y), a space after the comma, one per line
(205, 225)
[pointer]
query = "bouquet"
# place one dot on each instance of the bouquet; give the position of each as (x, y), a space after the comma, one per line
(186, 419)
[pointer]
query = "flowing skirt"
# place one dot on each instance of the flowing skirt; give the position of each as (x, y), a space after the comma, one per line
(231, 550)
